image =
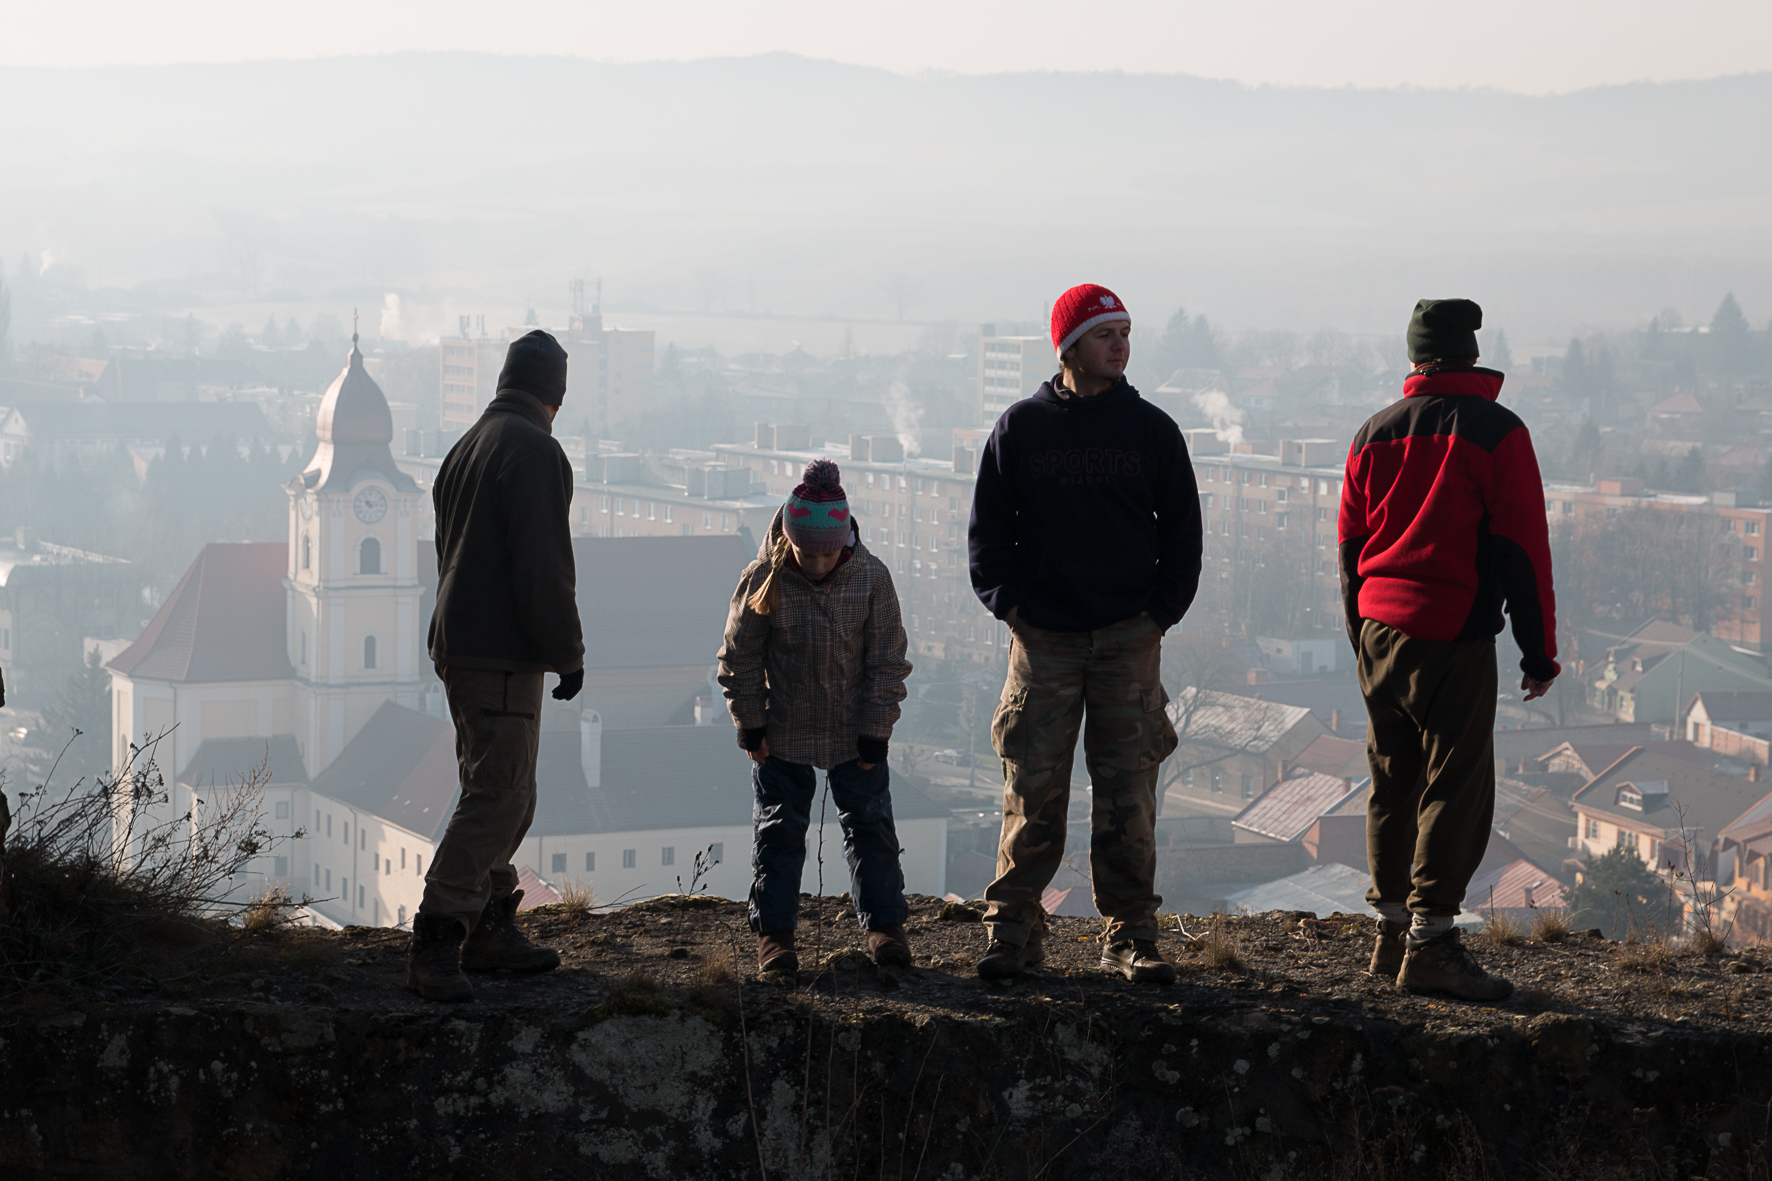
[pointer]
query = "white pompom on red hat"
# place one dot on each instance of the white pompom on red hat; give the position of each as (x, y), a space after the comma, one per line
(1081, 308)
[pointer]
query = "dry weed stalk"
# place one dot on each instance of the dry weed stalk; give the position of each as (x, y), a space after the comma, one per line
(1502, 929)
(1222, 949)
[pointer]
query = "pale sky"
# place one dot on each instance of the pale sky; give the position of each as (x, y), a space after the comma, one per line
(1531, 46)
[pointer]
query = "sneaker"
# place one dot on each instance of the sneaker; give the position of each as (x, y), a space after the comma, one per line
(1138, 960)
(433, 962)
(1005, 961)
(1442, 965)
(1387, 949)
(499, 944)
(775, 953)
(889, 946)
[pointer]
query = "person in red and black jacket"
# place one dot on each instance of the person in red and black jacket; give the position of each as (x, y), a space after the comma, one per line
(1442, 523)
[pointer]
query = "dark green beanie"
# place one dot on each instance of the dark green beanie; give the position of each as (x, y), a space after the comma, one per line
(1444, 330)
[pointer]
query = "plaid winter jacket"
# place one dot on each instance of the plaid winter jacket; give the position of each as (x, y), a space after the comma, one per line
(827, 667)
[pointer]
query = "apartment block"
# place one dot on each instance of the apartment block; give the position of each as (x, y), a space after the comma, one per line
(913, 514)
(1010, 368)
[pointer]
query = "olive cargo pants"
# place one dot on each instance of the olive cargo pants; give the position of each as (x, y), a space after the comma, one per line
(1107, 681)
(1431, 746)
(497, 737)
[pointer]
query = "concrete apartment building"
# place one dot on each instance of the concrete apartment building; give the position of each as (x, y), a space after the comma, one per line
(913, 514)
(610, 376)
(1742, 616)
(1251, 502)
(1010, 368)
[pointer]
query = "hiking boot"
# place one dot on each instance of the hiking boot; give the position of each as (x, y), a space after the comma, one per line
(499, 944)
(889, 946)
(1443, 966)
(1387, 949)
(775, 953)
(1003, 960)
(433, 963)
(1137, 960)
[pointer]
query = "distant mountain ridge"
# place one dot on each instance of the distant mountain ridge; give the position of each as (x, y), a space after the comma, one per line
(806, 182)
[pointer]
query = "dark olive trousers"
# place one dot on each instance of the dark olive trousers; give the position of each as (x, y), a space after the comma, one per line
(497, 737)
(1431, 746)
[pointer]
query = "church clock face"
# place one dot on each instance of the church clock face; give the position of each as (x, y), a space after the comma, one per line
(370, 505)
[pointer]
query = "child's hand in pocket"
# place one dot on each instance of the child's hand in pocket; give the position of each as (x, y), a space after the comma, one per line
(761, 754)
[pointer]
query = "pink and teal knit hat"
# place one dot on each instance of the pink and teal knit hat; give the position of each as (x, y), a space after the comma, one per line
(816, 516)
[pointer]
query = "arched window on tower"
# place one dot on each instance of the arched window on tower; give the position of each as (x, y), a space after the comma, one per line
(368, 651)
(307, 552)
(369, 556)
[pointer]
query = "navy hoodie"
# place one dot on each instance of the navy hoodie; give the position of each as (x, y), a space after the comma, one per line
(1086, 513)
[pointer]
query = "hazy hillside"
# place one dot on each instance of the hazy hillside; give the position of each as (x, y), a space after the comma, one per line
(805, 187)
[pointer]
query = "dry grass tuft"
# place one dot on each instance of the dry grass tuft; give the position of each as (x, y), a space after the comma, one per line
(268, 911)
(1221, 947)
(1707, 941)
(1502, 929)
(1652, 956)
(576, 897)
(1551, 926)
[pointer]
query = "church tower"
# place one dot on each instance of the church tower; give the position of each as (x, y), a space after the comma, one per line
(355, 634)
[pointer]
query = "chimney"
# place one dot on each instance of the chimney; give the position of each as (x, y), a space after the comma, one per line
(765, 436)
(707, 711)
(1282, 773)
(590, 746)
(1335, 721)
(1753, 772)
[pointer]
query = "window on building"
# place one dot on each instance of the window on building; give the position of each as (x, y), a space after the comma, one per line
(590, 863)
(1217, 782)
(725, 523)
(359, 897)
(870, 479)
(402, 913)
(362, 837)
(603, 503)
(282, 810)
(1751, 553)
(707, 519)
(1627, 839)
(368, 652)
(557, 863)
(1322, 514)
(668, 509)
(369, 556)
(316, 875)
(402, 859)
(329, 879)
(377, 864)
(307, 552)
(1753, 528)
(652, 510)
(1593, 829)
(627, 859)
(667, 855)
(418, 865)
(1248, 787)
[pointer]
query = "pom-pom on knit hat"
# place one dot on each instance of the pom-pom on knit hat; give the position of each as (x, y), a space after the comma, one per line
(816, 516)
(1082, 308)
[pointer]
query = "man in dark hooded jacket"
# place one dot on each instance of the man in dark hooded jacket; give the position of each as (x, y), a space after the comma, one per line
(507, 613)
(1085, 540)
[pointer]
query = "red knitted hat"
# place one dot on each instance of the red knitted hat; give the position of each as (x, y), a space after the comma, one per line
(1082, 308)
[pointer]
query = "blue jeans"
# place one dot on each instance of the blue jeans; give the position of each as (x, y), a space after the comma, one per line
(781, 812)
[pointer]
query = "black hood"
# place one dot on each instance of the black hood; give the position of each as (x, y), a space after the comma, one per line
(1118, 394)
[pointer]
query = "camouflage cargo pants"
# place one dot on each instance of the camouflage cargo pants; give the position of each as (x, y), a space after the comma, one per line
(1107, 682)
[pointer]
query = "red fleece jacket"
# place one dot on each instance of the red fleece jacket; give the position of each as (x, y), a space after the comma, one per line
(1442, 520)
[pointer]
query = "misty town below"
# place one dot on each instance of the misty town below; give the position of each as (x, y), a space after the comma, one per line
(216, 574)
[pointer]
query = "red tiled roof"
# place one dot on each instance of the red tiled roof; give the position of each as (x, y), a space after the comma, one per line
(1504, 888)
(1331, 755)
(536, 891)
(223, 622)
(1683, 402)
(1287, 810)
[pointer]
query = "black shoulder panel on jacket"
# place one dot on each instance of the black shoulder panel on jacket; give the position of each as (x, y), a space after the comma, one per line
(1477, 421)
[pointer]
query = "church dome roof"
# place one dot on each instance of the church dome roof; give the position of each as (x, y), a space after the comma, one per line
(354, 409)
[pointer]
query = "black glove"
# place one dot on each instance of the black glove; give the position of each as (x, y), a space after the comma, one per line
(871, 750)
(570, 684)
(751, 740)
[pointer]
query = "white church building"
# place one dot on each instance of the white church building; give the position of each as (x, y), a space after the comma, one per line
(305, 661)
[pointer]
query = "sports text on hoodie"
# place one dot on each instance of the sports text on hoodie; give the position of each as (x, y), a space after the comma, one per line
(1442, 519)
(1085, 513)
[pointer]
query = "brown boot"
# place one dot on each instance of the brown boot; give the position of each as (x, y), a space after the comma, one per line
(433, 964)
(889, 946)
(1003, 960)
(1387, 950)
(775, 953)
(499, 944)
(1443, 966)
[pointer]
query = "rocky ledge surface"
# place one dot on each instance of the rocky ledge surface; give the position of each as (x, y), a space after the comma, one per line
(657, 1052)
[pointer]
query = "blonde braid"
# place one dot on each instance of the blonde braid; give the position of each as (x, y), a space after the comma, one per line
(763, 601)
